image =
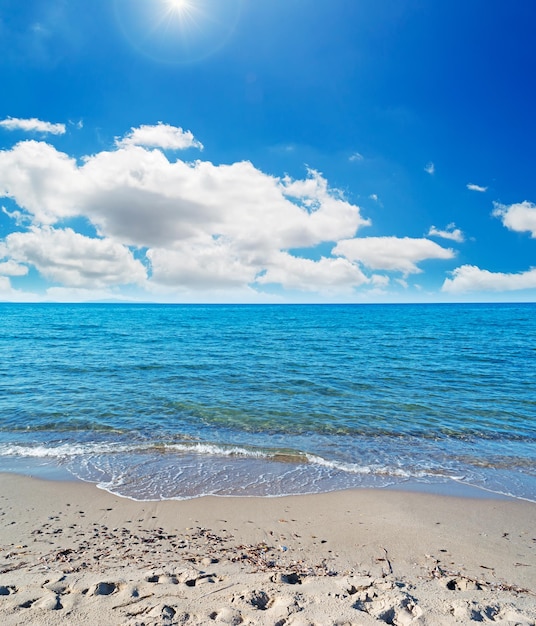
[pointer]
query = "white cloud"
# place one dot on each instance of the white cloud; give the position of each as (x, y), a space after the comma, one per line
(473, 187)
(450, 232)
(326, 275)
(472, 278)
(211, 264)
(203, 225)
(10, 268)
(374, 197)
(160, 136)
(391, 253)
(43, 181)
(74, 260)
(520, 217)
(356, 156)
(32, 125)
(17, 216)
(429, 168)
(140, 198)
(380, 280)
(9, 294)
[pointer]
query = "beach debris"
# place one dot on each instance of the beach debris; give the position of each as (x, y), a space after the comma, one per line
(389, 565)
(456, 581)
(262, 558)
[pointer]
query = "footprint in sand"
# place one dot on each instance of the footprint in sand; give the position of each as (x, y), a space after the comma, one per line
(104, 589)
(227, 615)
(400, 609)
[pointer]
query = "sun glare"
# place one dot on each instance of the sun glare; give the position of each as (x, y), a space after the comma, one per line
(177, 31)
(179, 6)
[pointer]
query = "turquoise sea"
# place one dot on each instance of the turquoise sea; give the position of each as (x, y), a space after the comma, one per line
(173, 401)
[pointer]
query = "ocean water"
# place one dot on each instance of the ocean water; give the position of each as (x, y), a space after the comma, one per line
(173, 401)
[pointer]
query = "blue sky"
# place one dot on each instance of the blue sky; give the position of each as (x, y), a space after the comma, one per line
(267, 150)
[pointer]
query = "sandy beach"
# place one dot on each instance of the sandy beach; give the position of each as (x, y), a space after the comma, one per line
(73, 554)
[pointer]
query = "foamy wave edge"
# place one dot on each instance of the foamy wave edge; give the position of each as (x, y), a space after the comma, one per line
(296, 457)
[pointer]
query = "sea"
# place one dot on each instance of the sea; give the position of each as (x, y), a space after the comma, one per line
(160, 401)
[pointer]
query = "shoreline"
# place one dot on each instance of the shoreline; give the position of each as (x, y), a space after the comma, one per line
(73, 553)
(452, 487)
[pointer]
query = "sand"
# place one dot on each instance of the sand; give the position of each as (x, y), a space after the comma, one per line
(73, 554)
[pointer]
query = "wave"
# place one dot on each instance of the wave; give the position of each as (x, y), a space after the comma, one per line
(212, 450)
(139, 470)
(197, 448)
(381, 470)
(63, 450)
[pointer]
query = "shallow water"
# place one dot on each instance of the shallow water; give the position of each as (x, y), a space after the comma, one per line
(173, 401)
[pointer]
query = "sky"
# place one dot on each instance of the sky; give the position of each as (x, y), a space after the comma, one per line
(267, 150)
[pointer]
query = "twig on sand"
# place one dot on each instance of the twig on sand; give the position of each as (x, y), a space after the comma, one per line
(133, 601)
(387, 560)
(210, 593)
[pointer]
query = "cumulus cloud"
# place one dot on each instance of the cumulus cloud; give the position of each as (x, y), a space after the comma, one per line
(69, 258)
(450, 232)
(472, 278)
(520, 217)
(205, 264)
(197, 226)
(41, 180)
(140, 198)
(391, 253)
(10, 268)
(160, 136)
(200, 225)
(473, 187)
(32, 125)
(327, 275)
(429, 168)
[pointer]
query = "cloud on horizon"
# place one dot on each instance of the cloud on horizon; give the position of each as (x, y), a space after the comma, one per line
(471, 278)
(71, 259)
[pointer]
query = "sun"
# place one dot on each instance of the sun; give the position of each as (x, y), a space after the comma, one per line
(177, 31)
(179, 7)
